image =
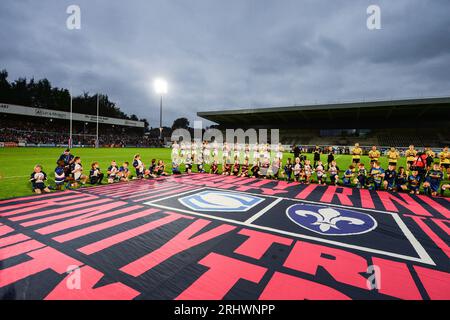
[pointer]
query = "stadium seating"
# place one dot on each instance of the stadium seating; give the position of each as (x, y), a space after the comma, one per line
(423, 138)
(56, 134)
(381, 137)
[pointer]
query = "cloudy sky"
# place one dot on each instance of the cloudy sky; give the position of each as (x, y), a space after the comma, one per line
(230, 54)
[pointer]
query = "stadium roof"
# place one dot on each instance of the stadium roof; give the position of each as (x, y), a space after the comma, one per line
(415, 112)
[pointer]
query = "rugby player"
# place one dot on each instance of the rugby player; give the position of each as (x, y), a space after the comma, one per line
(444, 158)
(410, 155)
(393, 156)
(356, 154)
(374, 155)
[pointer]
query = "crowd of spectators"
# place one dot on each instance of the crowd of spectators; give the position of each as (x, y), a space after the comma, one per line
(52, 133)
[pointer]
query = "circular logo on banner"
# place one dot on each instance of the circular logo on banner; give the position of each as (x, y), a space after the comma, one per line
(220, 201)
(331, 221)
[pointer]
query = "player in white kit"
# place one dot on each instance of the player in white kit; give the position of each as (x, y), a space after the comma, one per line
(182, 151)
(225, 151)
(215, 147)
(194, 150)
(188, 150)
(247, 152)
(175, 150)
(279, 151)
(255, 149)
(206, 152)
(237, 151)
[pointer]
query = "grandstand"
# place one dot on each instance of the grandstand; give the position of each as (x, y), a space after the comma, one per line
(33, 113)
(32, 131)
(423, 122)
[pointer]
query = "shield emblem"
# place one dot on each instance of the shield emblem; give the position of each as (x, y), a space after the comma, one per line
(220, 201)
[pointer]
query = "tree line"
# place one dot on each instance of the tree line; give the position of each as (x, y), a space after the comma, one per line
(41, 94)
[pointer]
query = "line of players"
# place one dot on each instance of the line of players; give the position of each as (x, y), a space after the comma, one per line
(206, 152)
(421, 169)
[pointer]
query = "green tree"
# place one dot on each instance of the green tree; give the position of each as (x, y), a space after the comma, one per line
(180, 123)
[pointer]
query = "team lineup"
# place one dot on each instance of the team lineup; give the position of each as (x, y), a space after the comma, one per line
(425, 171)
(225, 158)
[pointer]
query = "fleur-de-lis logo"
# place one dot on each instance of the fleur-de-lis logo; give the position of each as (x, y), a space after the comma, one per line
(331, 221)
(328, 218)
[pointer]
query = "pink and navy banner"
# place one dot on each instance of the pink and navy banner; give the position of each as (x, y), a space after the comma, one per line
(210, 237)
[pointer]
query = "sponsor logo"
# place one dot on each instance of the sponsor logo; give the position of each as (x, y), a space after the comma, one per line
(220, 201)
(330, 221)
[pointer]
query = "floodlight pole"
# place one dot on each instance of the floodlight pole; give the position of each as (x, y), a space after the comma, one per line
(160, 118)
(96, 139)
(70, 131)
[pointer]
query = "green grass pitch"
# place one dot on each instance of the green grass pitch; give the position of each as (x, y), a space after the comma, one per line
(16, 164)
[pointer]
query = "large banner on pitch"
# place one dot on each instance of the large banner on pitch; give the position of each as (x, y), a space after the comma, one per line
(202, 236)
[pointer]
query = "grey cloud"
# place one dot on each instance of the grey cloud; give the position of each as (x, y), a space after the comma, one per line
(230, 54)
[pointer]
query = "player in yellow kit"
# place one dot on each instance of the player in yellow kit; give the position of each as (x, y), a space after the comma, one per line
(393, 156)
(374, 155)
(356, 154)
(410, 155)
(444, 158)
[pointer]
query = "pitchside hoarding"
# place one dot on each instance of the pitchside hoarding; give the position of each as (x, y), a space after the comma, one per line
(54, 114)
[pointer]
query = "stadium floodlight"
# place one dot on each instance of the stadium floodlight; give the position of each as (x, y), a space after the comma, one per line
(160, 86)
(161, 89)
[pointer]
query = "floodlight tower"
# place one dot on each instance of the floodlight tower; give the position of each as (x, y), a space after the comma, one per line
(160, 86)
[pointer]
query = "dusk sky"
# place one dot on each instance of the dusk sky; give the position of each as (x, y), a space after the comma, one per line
(231, 54)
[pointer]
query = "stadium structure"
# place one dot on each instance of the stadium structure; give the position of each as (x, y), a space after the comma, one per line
(202, 236)
(26, 126)
(422, 122)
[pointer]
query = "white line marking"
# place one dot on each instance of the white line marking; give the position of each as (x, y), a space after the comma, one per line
(13, 177)
(292, 234)
(260, 213)
(173, 195)
(408, 234)
(414, 242)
